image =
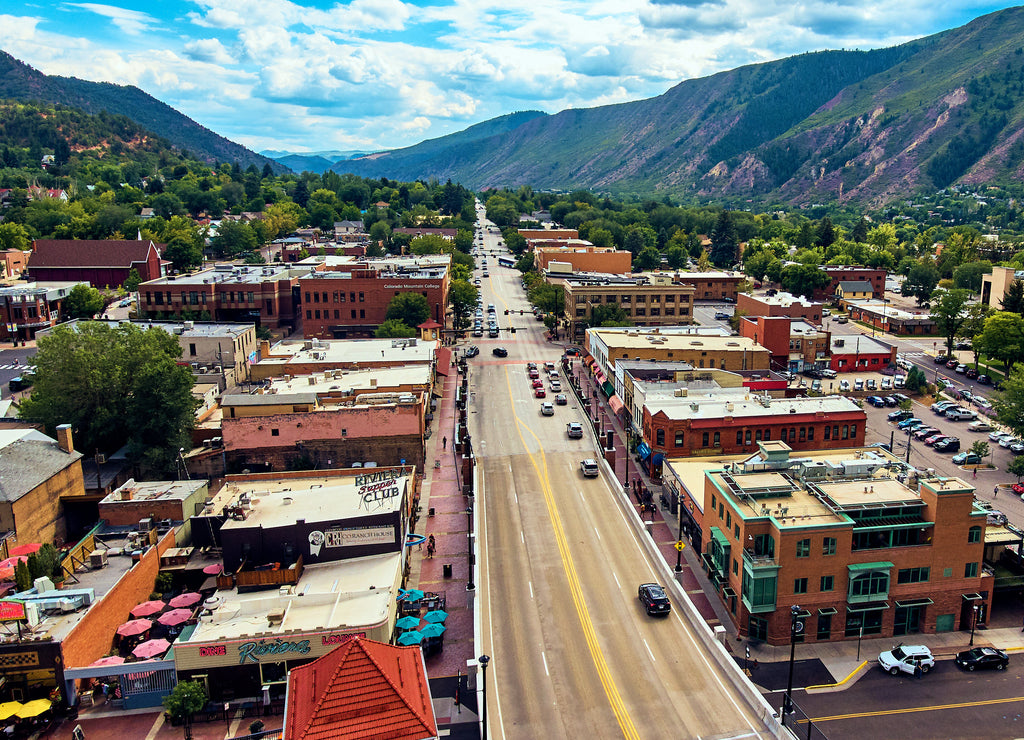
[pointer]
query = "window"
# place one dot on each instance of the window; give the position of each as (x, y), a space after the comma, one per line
(362, 313)
(912, 575)
(275, 432)
(971, 570)
(309, 314)
(800, 586)
(853, 431)
(835, 431)
(846, 432)
(714, 502)
(659, 437)
(810, 434)
(803, 548)
(869, 586)
(192, 349)
(705, 440)
(679, 439)
(828, 546)
(361, 298)
(824, 627)
(309, 298)
(728, 519)
(736, 531)
(828, 583)
(739, 436)
(735, 567)
(718, 439)
(803, 434)
(251, 297)
(747, 436)
(974, 535)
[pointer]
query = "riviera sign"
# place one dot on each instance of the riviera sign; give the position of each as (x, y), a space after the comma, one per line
(256, 650)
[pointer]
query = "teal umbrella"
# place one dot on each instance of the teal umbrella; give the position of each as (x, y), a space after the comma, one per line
(412, 637)
(413, 594)
(436, 616)
(433, 630)
(408, 623)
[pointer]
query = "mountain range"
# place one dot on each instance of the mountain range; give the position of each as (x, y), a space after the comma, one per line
(849, 126)
(19, 81)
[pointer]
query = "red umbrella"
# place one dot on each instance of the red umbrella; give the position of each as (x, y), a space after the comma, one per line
(175, 617)
(151, 648)
(109, 660)
(134, 627)
(186, 600)
(148, 608)
(213, 570)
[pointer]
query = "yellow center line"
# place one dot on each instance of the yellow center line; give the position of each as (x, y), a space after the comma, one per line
(906, 710)
(604, 673)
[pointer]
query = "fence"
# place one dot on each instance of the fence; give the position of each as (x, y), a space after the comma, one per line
(800, 725)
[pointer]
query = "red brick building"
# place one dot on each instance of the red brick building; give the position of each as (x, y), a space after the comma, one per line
(842, 273)
(850, 354)
(26, 308)
(102, 263)
(795, 345)
(780, 304)
(351, 300)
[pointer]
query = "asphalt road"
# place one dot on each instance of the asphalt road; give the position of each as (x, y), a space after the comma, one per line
(12, 364)
(946, 703)
(573, 653)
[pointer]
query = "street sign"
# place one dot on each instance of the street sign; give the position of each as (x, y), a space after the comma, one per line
(680, 545)
(798, 627)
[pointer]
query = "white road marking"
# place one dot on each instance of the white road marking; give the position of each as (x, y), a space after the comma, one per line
(616, 580)
(597, 533)
(522, 538)
(530, 584)
(649, 651)
(544, 658)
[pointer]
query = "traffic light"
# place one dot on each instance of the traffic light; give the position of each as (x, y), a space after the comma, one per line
(513, 330)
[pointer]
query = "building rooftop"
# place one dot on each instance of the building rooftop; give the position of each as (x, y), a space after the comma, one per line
(28, 458)
(345, 353)
(747, 406)
(713, 330)
(209, 329)
(351, 382)
(857, 286)
(859, 344)
(136, 491)
(231, 274)
(890, 311)
(639, 338)
(803, 329)
(51, 290)
(784, 300)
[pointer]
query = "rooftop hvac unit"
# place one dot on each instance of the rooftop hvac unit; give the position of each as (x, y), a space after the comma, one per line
(146, 524)
(97, 559)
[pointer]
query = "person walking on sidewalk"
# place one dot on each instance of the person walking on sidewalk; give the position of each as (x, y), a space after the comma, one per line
(444, 443)
(430, 547)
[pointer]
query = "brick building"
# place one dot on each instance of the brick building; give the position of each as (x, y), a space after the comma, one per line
(837, 536)
(14, 262)
(137, 500)
(860, 354)
(350, 299)
(27, 308)
(794, 345)
(319, 355)
(886, 318)
(714, 285)
(582, 258)
(642, 302)
(100, 262)
(839, 273)
(780, 304)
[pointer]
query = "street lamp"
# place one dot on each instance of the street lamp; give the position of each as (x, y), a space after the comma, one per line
(795, 626)
(679, 540)
(975, 609)
(484, 660)
(469, 550)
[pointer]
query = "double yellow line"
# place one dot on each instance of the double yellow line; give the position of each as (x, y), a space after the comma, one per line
(604, 673)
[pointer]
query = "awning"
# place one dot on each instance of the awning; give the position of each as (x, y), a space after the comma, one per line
(444, 360)
(973, 597)
(881, 565)
(827, 611)
(873, 607)
(607, 387)
(728, 593)
(643, 450)
(616, 404)
(914, 602)
(599, 375)
(718, 536)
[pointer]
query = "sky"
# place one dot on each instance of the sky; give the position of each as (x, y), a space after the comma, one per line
(366, 75)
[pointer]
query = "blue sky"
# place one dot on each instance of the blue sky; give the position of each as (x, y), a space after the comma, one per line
(314, 75)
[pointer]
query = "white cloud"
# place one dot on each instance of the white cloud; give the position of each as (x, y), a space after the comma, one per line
(132, 22)
(207, 50)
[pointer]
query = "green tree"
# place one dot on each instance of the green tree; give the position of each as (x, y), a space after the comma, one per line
(118, 386)
(949, 311)
(648, 259)
(1003, 338)
(184, 253)
(185, 699)
(609, 314)
(394, 329)
(233, 238)
(1016, 467)
(14, 236)
(1009, 402)
(921, 281)
(23, 577)
(601, 238)
(968, 275)
(525, 262)
(410, 308)
(429, 244)
(973, 324)
(803, 280)
(980, 448)
(676, 257)
(916, 381)
(548, 298)
(83, 302)
(724, 242)
(131, 283)
(1013, 300)
(462, 298)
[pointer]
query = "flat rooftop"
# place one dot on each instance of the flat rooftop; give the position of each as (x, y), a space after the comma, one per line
(784, 300)
(889, 310)
(859, 344)
(358, 381)
(677, 408)
(879, 492)
(330, 596)
(348, 352)
(175, 490)
(233, 274)
(621, 340)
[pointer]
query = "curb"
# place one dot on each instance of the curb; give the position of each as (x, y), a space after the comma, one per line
(827, 688)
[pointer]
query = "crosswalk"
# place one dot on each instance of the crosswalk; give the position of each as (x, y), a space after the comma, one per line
(14, 366)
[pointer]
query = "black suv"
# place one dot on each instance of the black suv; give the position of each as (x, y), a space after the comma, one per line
(654, 599)
(499, 352)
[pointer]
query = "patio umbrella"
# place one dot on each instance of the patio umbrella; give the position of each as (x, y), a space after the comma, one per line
(34, 708)
(151, 648)
(148, 608)
(433, 630)
(135, 627)
(9, 708)
(213, 570)
(437, 616)
(185, 600)
(408, 623)
(109, 660)
(174, 617)
(412, 637)
(413, 594)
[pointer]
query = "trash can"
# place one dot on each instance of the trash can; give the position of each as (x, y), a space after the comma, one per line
(447, 569)
(430, 511)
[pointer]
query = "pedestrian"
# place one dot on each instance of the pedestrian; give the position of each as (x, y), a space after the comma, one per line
(918, 673)
(975, 473)
(1022, 629)
(995, 491)
(444, 443)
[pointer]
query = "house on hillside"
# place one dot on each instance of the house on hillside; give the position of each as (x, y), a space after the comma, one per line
(99, 262)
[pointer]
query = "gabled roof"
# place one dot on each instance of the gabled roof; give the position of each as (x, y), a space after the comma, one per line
(361, 689)
(28, 459)
(90, 252)
(856, 286)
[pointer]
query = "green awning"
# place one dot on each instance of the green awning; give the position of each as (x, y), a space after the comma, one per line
(827, 611)
(914, 602)
(972, 597)
(882, 565)
(720, 537)
(874, 607)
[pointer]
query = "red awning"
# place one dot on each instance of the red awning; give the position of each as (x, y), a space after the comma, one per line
(599, 375)
(616, 404)
(444, 360)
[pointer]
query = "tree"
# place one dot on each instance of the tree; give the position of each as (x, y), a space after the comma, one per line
(462, 298)
(676, 257)
(968, 275)
(410, 308)
(394, 329)
(1003, 338)
(83, 302)
(724, 243)
(23, 577)
(916, 381)
(548, 298)
(1013, 300)
(949, 311)
(187, 698)
(980, 448)
(525, 262)
(14, 236)
(1016, 467)
(803, 279)
(233, 238)
(131, 283)
(1009, 403)
(118, 386)
(183, 253)
(601, 238)
(921, 281)
(973, 324)
(648, 259)
(609, 314)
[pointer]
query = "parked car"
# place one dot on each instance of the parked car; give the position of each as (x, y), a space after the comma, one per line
(890, 401)
(924, 432)
(870, 384)
(934, 438)
(906, 659)
(589, 468)
(1008, 441)
(939, 407)
(899, 381)
(984, 379)
(971, 373)
(952, 363)
(875, 401)
(886, 384)
(654, 599)
(961, 368)
(960, 414)
(828, 373)
(900, 397)
(979, 426)
(949, 444)
(998, 435)
(816, 385)
(900, 415)
(911, 421)
(966, 458)
(1017, 448)
(844, 386)
(941, 359)
(858, 384)
(981, 658)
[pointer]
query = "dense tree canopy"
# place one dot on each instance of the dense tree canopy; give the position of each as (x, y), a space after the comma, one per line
(410, 308)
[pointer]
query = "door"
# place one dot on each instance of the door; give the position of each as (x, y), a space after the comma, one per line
(908, 620)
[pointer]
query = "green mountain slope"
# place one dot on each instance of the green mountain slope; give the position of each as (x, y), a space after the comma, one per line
(18, 81)
(835, 125)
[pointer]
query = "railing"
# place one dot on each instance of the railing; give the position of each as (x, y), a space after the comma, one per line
(263, 578)
(758, 561)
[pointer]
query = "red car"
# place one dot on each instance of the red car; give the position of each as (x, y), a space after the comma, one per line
(538, 383)
(1018, 488)
(534, 373)
(539, 393)
(934, 438)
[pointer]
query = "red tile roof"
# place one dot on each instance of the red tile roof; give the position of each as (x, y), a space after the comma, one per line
(89, 252)
(361, 689)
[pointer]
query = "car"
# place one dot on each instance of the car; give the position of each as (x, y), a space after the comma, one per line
(899, 415)
(971, 373)
(984, 379)
(841, 319)
(939, 407)
(870, 384)
(826, 312)
(875, 401)
(1009, 441)
(499, 352)
(493, 332)
(531, 366)
(1018, 488)
(828, 372)
(654, 599)
(961, 368)
(979, 426)
(547, 409)
(900, 397)
(935, 437)
(966, 458)
(950, 444)
(998, 435)
(858, 384)
(952, 363)
(924, 432)
(964, 344)
(899, 381)
(910, 422)
(815, 385)
(561, 400)
(844, 386)
(886, 384)
(981, 658)
(478, 331)
(574, 430)
(589, 468)
(539, 393)
(722, 315)
(538, 383)
(813, 372)
(960, 414)
(1017, 448)
(533, 373)
(472, 351)
(904, 363)
(891, 401)
(556, 387)
(906, 659)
